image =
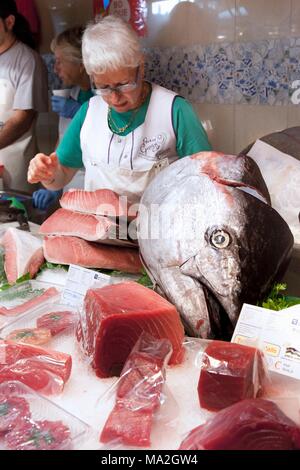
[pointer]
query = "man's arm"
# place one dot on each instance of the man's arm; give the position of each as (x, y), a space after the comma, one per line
(19, 123)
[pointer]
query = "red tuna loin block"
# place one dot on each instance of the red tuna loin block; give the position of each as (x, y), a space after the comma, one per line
(115, 316)
(99, 202)
(138, 393)
(23, 254)
(87, 226)
(72, 250)
(41, 369)
(252, 424)
(229, 373)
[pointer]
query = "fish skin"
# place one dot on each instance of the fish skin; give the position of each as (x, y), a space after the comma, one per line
(183, 209)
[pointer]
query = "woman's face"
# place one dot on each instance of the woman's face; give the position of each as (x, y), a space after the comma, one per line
(121, 101)
(69, 72)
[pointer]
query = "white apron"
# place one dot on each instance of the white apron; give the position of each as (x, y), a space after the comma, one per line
(15, 157)
(127, 164)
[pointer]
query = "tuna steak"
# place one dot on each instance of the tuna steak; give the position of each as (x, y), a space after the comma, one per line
(23, 254)
(114, 317)
(99, 202)
(138, 393)
(87, 226)
(252, 424)
(73, 250)
(229, 373)
(210, 240)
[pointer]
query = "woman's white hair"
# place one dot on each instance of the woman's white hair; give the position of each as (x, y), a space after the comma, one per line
(110, 44)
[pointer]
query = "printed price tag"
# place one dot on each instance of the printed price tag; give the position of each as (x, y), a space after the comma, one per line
(276, 333)
(79, 280)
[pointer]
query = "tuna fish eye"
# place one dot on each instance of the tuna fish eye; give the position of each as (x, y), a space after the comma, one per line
(220, 239)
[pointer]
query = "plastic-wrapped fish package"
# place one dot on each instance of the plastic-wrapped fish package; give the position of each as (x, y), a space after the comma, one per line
(24, 297)
(229, 400)
(46, 324)
(44, 370)
(29, 421)
(143, 412)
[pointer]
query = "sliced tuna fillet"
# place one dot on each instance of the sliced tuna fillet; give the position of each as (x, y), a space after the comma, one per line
(73, 250)
(229, 373)
(31, 303)
(114, 317)
(36, 336)
(41, 369)
(252, 424)
(138, 393)
(87, 226)
(99, 202)
(23, 254)
(93, 228)
(57, 322)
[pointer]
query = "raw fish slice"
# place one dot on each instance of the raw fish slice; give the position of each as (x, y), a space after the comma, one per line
(31, 303)
(99, 202)
(73, 250)
(23, 254)
(138, 393)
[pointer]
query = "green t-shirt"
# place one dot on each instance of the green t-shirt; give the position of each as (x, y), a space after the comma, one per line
(190, 135)
(84, 95)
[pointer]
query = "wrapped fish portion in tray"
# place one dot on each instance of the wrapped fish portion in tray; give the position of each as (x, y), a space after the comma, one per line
(29, 421)
(26, 296)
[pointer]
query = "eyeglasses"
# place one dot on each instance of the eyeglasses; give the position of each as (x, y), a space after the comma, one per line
(130, 86)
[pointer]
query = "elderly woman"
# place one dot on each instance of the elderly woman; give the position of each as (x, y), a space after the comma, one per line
(70, 69)
(127, 133)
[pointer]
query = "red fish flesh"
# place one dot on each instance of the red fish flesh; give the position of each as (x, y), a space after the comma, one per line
(251, 424)
(39, 435)
(36, 336)
(113, 319)
(57, 322)
(73, 250)
(138, 393)
(229, 373)
(31, 303)
(41, 369)
(12, 411)
(87, 226)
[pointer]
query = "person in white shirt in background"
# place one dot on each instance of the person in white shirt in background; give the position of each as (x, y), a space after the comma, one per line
(23, 94)
(70, 69)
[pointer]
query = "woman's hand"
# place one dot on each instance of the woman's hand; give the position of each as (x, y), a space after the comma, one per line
(42, 168)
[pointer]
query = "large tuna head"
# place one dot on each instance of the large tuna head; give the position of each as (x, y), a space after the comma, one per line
(210, 239)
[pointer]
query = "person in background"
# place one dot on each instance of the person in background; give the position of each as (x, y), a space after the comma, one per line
(23, 94)
(130, 131)
(70, 69)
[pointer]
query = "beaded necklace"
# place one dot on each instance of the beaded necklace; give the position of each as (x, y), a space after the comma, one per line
(119, 130)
